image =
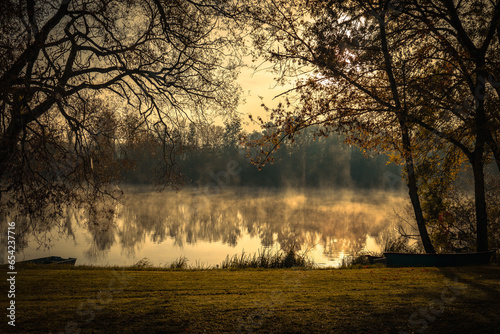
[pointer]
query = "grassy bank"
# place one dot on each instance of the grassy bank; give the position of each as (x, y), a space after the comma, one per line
(369, 300)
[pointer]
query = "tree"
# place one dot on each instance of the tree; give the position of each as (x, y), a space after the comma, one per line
(352, 87)
(460, 51)
(232, 133)
(164, 60)
(389, 73)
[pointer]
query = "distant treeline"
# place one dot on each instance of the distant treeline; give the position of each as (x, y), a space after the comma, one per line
(212, 154)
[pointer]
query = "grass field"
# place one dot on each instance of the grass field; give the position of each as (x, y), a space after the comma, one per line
(368, 300)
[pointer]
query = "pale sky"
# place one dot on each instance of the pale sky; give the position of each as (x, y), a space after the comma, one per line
(253, 85)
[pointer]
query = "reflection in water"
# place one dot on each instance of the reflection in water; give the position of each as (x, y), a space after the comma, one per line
(325, 223)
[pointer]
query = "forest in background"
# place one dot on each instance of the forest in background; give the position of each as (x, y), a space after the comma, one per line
(204, 152)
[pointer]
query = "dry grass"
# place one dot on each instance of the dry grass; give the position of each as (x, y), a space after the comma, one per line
(369, 300)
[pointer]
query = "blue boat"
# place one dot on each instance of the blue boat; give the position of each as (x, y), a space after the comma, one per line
(437, 260)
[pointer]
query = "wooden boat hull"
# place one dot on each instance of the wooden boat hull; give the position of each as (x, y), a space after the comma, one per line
(51, 260)
(376, 259)
(437, 260)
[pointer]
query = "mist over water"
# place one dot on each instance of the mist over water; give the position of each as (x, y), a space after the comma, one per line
(325, 224)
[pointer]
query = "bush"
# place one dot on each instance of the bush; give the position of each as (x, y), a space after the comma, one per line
(267, 259)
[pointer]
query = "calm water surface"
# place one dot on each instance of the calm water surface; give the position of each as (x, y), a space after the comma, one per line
(327, 225)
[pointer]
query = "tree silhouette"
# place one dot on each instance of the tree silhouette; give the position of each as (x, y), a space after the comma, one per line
(164, 60)
(458, 86)
(348, 48)
(390, 74)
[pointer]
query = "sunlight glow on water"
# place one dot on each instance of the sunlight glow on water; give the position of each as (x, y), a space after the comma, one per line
(329, 226)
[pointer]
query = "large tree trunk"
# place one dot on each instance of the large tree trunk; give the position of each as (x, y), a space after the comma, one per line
(413, 190)
(480, 201)
(402, 115)
(476, 160)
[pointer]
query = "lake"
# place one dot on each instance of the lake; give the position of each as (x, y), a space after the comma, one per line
(327, 225)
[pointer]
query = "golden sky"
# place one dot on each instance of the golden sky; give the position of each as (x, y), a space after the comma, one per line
(255, 83)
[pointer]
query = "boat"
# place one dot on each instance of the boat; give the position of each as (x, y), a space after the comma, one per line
(51, 260)
(376, 259)
(437, 260)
